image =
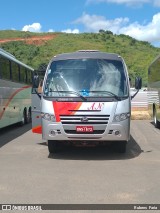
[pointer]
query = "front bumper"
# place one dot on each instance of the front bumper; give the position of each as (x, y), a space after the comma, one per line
(119, 131)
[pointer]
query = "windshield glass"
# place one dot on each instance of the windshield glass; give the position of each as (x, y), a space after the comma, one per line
(86, 77)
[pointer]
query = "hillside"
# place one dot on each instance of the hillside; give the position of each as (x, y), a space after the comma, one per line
(35, 49)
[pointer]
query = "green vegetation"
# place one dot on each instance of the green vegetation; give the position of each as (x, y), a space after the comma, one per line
(137, 54)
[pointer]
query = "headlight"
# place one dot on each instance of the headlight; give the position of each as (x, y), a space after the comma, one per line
(48, 117)
(121, 117)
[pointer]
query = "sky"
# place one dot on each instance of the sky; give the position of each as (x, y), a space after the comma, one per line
(139, 19)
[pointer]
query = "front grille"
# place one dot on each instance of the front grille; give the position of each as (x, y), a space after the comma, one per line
(84, 119)
(75, 132)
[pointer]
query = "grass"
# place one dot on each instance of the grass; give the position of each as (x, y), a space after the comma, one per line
(140, 114)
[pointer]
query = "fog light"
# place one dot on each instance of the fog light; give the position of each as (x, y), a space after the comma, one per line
(52, 132)
(117, 132)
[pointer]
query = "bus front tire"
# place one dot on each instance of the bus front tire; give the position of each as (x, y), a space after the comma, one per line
(156, 122)
(53, 146)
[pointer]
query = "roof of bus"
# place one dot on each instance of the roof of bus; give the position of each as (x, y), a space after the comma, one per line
(94, 54)
(12, 58)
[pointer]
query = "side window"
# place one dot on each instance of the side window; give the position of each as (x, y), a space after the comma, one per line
(29, 76)
(26, 79)
(4, 68)
(23, 75)
(15, 72)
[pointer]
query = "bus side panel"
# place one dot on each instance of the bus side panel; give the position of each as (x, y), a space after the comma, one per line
(154, 102)
(158, 104)
(36, 114)
(4, 117)
(154, 89)
(14, 98)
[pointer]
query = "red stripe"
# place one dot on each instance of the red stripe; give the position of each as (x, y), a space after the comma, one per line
(11, 97)
(63, 108)
(55, 107)
(37, 129)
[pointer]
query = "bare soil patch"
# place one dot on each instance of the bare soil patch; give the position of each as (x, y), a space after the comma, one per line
(35, 40)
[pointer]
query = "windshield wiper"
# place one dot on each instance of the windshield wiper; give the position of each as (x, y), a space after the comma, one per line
(109, 93)
(71, 92)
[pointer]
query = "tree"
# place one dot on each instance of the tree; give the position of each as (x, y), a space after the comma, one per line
(101, 31)
(109, 32)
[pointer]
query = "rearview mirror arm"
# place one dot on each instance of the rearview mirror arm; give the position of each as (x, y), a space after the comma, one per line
(134, 94)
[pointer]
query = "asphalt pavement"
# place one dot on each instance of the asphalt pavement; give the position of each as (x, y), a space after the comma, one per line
(30, 175)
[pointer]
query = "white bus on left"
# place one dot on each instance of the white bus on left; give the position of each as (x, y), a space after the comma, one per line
(15, 90)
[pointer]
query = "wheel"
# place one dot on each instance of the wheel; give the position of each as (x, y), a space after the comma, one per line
(54, 146)
(120, 146)
(156, 122)
(24, 118)
(29, 116)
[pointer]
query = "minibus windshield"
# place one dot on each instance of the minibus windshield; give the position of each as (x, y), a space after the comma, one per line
(86, 77)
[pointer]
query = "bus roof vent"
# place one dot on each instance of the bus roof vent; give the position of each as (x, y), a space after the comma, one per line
(88, 51)
(119, 56)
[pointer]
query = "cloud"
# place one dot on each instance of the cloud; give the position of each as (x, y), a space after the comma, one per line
(94, 23)
(51, 30)
(75, 31)
(156, 3)
(127, 2)
(147, 32)
(35, 27)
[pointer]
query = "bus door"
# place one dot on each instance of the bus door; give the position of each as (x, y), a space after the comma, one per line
(36, 103)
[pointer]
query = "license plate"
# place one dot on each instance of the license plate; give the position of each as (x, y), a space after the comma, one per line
(84, 128)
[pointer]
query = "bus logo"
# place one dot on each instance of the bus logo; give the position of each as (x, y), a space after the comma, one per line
(96, 106)
(84, 119)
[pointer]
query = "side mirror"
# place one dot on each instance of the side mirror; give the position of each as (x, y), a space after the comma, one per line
(35, 85)
(138, 83)
(35, 81)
